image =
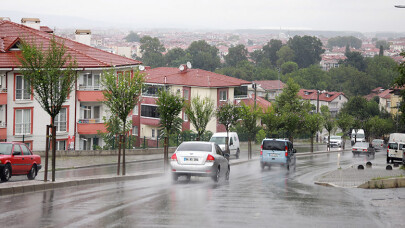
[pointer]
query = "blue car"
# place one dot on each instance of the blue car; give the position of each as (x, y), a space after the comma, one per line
(277, 152)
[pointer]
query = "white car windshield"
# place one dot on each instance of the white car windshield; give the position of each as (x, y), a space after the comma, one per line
(218, 140)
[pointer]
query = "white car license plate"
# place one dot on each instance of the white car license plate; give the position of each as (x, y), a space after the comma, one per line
(273, 155)
(190, 159)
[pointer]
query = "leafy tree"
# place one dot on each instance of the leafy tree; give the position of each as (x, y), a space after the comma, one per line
(342, 41)
(203, 56)
(378, 127)
(249, 118)
(200, 112)
(360, 109)
(51, 73)
(175, 57)
(291, 109)
(400, 82)
(257, 56)
(312, 77)
(382, 70)
(381, 53)
(236, 54)
(345, 123)
(289, 67)
(270, 50)
(121, 93)
(169, 107)
(312, 125)
(307, 50)
(356, 60)
(382, 43)
(271, 121)
(152, 49)
(132, 37)
(114, 128)
(328, 122)
(228, 115)
(351, 81)
(285, 54)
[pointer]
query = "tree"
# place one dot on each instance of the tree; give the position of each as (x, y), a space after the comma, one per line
(249, 117)
(400, 82)
(203, 56)
(113, 130)
(350, 81)
(328, 122)
(285, 54)
(152, 49)
(378, 127)
(381, 53)
(312, 77)
(228, 115)
(385, 45)
(121, 93)
(51, 73)
(175, 57)
(342, 41)
(354, 59)
(236, 54)
(345, 123)
(382, 70)
(313, 123)
(307, 50)
(289, 67)
(132, 37)
(200, 112)
(270, 50)
(169, 107)
(291, 109)
(360, 109)
(271, 121)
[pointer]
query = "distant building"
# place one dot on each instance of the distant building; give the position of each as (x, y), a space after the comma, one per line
(334, 100)
(268, 88)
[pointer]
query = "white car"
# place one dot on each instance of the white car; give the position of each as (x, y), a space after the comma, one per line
(199, 158)
(335, 141)
(233, 142)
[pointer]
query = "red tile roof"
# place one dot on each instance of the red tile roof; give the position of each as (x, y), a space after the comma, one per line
(270, 84)
(260, 102)
(312, 95)
(191, 77)
(86, 56)
(386, 94)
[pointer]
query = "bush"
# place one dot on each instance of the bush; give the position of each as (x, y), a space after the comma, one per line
(261, 134)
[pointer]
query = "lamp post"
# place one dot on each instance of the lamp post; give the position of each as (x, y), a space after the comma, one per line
(254, 85)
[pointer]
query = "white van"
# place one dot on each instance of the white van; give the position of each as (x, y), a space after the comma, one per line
(396, 144)
(233, 142)
(358, 137)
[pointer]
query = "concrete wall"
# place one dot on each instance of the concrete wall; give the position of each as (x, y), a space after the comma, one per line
(73, 153)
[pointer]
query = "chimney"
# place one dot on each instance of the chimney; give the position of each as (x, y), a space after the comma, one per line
(5, 19)
(34, 23)
(83, 36)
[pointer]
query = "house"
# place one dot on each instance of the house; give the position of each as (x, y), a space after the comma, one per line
(21, 116)
(334, 100)
(395, 101)
(268, 88)
(190, 83)
(385, 100)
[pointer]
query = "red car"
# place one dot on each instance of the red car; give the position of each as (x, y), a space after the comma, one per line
(17, 159)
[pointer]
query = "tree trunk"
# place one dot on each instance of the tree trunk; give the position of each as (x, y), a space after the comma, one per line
(166, 153)
(119, 154)
(312, 143)
(53, 150)
(328, 141)
(46, 154)
(123, 150)
(226, 142)
(249, 148)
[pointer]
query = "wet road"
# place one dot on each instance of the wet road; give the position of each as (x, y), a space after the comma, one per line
(269, 198)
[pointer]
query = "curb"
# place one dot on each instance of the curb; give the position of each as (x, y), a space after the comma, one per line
(384, 183)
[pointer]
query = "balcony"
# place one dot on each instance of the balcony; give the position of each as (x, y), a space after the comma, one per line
(3, 97)
(90, 95)
(90, 127)
(86, 121)
(89, 88)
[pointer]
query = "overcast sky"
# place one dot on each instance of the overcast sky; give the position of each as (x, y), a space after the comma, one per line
(336, 15)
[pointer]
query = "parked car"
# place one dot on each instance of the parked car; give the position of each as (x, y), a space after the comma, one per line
(378, 144)
(17, 159)
(200, 159)
(363, 148)
(396, 144)
(233, 142)
(335, 141)
(277, 152)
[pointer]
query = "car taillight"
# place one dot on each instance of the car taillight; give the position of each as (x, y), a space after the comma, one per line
(174, 157)
(210, 158)
(286, 151)
(364, 149)
(388, 150)
(381, 144)
(354, 149)
(261, 150)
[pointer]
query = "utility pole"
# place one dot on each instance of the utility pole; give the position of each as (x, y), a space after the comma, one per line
(254, 85)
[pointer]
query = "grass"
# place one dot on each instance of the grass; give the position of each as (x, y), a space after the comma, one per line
(383, 178)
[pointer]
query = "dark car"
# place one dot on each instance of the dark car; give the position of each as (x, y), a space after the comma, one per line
(17, 159)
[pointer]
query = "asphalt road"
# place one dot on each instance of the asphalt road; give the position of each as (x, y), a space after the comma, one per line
(252, 197)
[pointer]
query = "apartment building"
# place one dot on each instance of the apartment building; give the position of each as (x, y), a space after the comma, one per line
(334, 100)
(189, 83)
(21, 116)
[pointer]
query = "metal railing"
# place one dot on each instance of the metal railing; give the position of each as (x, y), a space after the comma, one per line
(86, 121)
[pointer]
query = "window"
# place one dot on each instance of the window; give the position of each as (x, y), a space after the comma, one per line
(22, 121)
(61, 120)
(135, 130)
(151, 90)
(22, 88)
(149, 111)
(222, 95)
(185, 94)
(185, 117)
(90, 114)
(61, 145)
(17, 150)
(153, 133)
(25, 150)
(240, 91)
(136, 110)
(91, 81)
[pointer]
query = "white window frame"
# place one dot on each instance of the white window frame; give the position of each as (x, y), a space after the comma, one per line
(153, 133)
(58, 145)
(185, 118)
(186, 94)
(22, 93)
(59, 123)
(223, 93)
(90, 82)
(24, 125)
(136, 110)
(135, 130)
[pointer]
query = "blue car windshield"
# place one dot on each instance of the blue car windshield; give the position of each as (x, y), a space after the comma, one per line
(205, 147)
(273, 145)
(5, 148)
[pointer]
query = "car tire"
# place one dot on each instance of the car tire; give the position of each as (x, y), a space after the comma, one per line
(6, 174)
(288, 166)
(227, 174)
(237, 153)
(33, 172)
(188, 178)
(262, 165)
(216, 176)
